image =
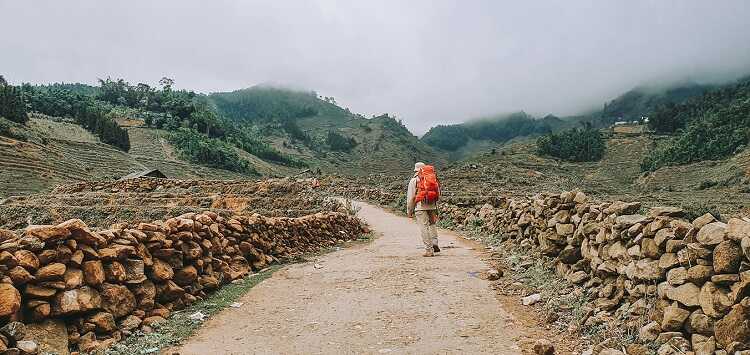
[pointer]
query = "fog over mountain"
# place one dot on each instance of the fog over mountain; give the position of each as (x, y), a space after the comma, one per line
(427, 62)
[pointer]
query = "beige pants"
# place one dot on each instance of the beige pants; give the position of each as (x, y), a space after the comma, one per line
(427, 228)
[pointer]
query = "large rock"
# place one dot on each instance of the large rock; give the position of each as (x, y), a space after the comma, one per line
(644, 270)
(51, 336)
(727, 257)
(81, 233)
(10, 300)
(186, 276)
(27, 260)
(677, 276)
(82, 299)
(93, 273)
(735, 326)
(54, 271)
(46, 233)
(712, 233)
(699, 323)
(703, 220)
(666, 211)
(161, 271)
(714, 301)
(687, 294)
(104, 322)
(118, 300)
(737, 229)
(699, 274)
(674, 318)
(625, 221)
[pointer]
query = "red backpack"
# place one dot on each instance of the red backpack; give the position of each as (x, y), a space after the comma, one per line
(428, 187)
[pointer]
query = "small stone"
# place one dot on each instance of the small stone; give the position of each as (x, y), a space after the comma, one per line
(531, 299)
(14, 330)
(544, 347)
(649, 332)
(494, 274)
(27, 347)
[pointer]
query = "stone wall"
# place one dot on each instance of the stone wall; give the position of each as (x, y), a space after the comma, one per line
(690, 278)
(99, 286)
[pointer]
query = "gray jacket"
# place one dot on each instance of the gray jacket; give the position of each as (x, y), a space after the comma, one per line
(410, 193)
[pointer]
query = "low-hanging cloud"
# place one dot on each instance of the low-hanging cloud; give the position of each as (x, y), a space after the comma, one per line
(426, 61)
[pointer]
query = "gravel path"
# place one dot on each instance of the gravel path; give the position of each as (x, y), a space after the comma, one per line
(382, 297)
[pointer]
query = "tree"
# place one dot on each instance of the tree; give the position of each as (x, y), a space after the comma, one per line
(12, 105)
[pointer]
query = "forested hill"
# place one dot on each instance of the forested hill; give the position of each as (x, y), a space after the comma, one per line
(643, 101)
(497, 129)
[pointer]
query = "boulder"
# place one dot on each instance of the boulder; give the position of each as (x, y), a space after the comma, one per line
(727, 257)
(81, 233)
(74, 301)
(46, 233)
(674, 318)
(737, 229)
(118, 300)
(735, 326)
(104, 322)
(712, 234)
(129, 323)
(677, 276)
(703, 220)
(666, 211)
(699, 323)
(699, 274)
(564, 229)
(73, 278)
(135, 271)
(161, 271)
(27, 260)
(644, 270)
(54, 271)
(714, 301)
(10, 300)
(686, 294)
(93, 273)
(186, 276)
(19, 275)
(115, 272)
(625, 221)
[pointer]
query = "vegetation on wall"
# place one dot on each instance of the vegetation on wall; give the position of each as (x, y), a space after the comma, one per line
(579, 145)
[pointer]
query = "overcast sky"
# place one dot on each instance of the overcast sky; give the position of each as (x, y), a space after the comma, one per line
(428, 62)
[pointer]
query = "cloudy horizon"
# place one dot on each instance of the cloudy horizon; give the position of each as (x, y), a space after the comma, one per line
(427, 62)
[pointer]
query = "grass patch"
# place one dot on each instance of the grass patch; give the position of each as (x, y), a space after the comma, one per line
(180, 326)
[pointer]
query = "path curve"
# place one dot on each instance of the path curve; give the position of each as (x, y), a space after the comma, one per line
(382, 297)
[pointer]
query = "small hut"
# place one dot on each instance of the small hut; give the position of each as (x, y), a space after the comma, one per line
(154, 173)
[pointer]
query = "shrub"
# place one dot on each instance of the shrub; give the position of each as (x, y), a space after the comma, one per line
(573, 145)
(340, 142)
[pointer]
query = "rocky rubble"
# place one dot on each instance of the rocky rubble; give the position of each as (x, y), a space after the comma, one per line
(688, 281)
(97, 287)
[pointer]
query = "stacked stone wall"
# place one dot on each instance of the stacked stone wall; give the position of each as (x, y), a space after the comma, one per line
(691, 278)
(100, 286)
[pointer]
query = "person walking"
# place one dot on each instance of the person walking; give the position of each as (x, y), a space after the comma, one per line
(422, 195)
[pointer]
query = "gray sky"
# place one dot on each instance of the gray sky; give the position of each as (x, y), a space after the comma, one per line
(428, 62)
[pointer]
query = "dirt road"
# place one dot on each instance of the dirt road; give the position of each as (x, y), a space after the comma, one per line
(383, 297)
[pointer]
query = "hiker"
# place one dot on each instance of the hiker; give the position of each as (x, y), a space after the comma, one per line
(421, 202)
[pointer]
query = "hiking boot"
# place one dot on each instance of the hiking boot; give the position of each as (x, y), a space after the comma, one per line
(427, 254)
(435, 248)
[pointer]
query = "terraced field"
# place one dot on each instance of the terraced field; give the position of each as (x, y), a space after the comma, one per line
(58, 152)
(147, 199)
